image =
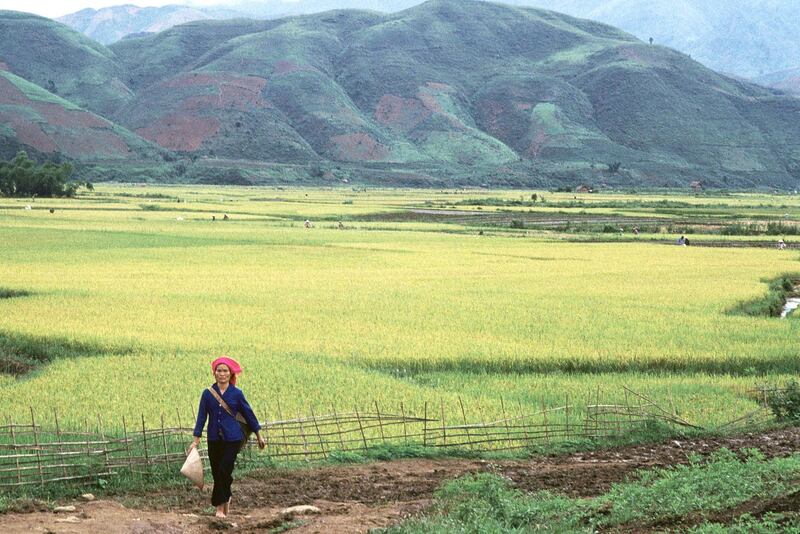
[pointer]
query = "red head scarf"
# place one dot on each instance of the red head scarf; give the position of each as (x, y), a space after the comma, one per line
(232, 365)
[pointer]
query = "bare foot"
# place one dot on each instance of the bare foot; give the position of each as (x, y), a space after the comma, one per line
(226, 507)
(221, 511)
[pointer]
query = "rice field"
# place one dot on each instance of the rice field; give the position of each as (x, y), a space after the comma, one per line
(395, 311)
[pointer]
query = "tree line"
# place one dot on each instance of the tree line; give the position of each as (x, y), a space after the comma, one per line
(23, 177)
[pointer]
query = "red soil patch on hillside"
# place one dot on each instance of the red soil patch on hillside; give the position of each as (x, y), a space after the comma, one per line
(29, 133)
(537, 144)
(70, 118)
(228, 92)
(358, 147)
(181, 132)
(430, 101)
(10, 94)
(186, 129)
(75, 132)
(492, 112)
(92, 143)
(429, 96)
(403, 114)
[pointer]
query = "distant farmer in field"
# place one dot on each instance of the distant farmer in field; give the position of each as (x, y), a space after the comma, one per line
(781, 244)
(225, 217)
(681, 241)
(341, 225)
(220, 404)
(307, 224)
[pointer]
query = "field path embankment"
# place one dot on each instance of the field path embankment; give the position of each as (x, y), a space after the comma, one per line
(356, 498)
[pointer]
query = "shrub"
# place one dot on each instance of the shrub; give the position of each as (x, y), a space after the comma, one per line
(771, 304)
(785, 403)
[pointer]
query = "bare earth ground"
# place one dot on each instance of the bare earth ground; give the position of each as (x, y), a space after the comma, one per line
(357, 498)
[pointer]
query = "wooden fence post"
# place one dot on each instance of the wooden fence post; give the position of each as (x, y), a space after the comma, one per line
(303, 436)
(58, 438)
(403, 415)
(380, 422)
(338, 428)
(490, 442)
(596, 415)
(544, 415)
(566, 417)
(283, 427)
(102, 432)
(361, 428)
(127, 444)
(16, 456)
(425, 425)
(628, 411)
(164, 440)
(505, 420)
(522, 422)
(36, 445)
(144, 443)
(444, 430)
(319, 434)
(464, 417)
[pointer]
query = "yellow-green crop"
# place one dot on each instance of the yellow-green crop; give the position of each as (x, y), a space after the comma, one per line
(395, 311)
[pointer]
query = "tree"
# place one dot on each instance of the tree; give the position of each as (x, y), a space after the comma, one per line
(21, 177)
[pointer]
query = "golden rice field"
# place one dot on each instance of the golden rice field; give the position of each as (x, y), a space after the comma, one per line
(390, 311)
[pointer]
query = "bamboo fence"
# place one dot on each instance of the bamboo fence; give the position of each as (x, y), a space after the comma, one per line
(33, 453)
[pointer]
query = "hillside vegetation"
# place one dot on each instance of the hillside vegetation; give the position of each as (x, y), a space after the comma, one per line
(446, 92)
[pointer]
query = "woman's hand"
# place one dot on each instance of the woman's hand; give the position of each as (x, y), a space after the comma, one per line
(193, 445)
(261, 442)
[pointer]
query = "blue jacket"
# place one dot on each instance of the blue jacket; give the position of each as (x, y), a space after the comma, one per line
(221, 426)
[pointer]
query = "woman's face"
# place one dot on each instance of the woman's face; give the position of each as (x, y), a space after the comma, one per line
(222, 373)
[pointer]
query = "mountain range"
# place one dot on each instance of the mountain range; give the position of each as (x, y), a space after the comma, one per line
(451, 92)
(754, 39)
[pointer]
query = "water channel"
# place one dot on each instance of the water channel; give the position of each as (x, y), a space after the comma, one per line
(791, 305)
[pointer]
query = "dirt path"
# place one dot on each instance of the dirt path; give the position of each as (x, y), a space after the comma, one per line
(360, 497)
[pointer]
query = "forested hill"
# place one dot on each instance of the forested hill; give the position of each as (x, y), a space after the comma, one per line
(455, 91)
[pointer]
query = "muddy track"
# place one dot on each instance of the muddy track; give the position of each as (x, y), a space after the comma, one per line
(357, 498)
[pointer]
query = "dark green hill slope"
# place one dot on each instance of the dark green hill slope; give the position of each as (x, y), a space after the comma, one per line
(62, 61)
(465, 90)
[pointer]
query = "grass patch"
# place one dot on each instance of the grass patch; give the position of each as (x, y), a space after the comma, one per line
(770, 523)
(488, 503)
(771, 304)
(6, 293)
(20, 354)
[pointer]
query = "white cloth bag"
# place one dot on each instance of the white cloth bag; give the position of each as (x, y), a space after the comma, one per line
(193, 468)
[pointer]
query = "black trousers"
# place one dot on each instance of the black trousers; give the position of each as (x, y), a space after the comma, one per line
(222, 456)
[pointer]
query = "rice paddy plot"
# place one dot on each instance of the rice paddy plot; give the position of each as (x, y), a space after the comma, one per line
(396, 312)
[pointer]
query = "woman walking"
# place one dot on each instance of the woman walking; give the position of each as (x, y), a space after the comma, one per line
(219, 404)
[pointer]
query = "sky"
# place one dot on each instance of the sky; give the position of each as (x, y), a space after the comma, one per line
(57, 8)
